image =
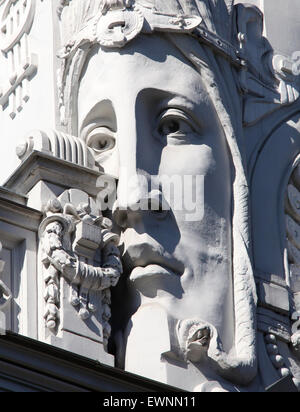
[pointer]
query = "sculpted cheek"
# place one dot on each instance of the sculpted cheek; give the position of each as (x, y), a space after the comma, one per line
(187, 160)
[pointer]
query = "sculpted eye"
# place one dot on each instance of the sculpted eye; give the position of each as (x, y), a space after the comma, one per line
(101, 140)
(175, 123)
(169, 126)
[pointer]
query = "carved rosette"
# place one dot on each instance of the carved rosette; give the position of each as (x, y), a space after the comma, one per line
(70, 236)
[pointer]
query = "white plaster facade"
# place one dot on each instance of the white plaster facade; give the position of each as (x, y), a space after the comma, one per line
(211, 305)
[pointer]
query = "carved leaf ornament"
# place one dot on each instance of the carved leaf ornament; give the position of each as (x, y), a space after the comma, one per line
(67, 233)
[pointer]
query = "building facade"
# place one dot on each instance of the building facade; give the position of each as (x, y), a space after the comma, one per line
(149, 199)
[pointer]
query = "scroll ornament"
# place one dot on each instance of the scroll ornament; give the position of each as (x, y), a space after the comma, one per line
(65, 232)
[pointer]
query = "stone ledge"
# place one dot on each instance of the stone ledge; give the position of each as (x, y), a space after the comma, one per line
(6, 194)
(40, 166)
(43, 367)
(14, 210)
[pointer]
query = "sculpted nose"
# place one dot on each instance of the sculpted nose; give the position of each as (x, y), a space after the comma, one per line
(136, 197)
(136, 193)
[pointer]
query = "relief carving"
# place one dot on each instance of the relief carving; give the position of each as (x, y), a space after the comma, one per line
(184, 92)
(15, 25)
(198, 43)
(70, 236)
(268, 79)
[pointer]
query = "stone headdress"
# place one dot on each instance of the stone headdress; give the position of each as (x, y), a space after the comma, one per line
(207, 25)
(113, 23)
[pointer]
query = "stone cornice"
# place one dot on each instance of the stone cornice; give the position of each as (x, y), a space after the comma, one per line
(41, 166)
(13, 210)
(61, 371)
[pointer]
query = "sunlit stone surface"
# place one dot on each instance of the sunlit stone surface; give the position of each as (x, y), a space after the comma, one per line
(150, 216)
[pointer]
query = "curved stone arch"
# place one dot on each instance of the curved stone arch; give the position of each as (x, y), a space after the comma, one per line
(270, 177)
(273, 162)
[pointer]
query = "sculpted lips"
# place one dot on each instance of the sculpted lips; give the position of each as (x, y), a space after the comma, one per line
(148, 258)
(149, 271)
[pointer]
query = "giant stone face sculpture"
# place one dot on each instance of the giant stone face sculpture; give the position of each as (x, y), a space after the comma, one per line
(180, 109)
(154, 104)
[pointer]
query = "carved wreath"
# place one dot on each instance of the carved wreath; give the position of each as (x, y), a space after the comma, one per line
(59, 257)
